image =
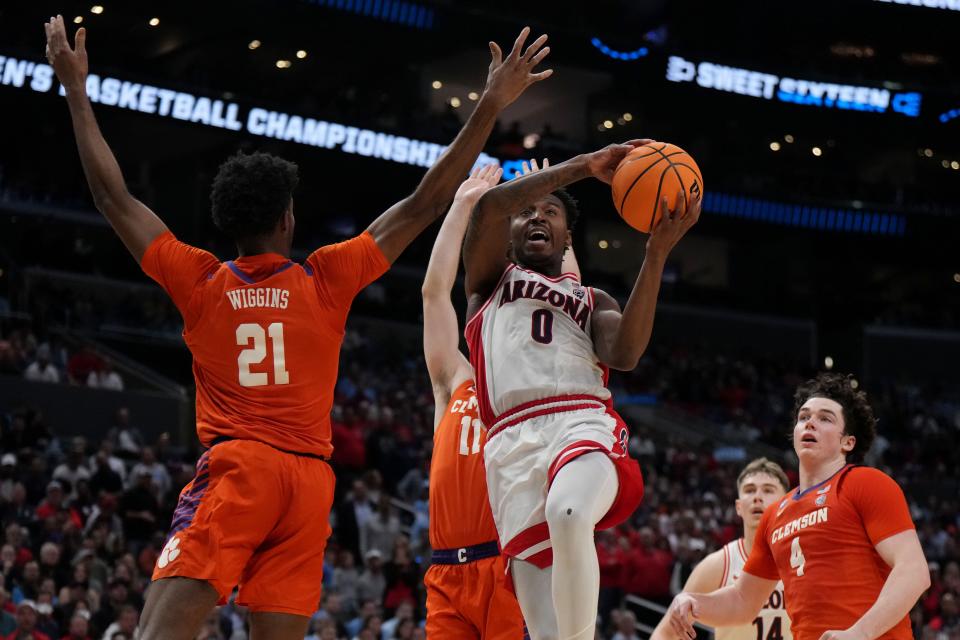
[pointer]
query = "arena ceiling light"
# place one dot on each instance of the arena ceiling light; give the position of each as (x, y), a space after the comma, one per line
(154, 22)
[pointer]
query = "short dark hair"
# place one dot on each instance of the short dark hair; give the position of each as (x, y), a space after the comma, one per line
(570, 206)
(251, 192)
(858, 419)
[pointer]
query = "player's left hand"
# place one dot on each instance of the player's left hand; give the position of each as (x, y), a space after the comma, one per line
(848, 634)
(69, 64)
(479, 182)
(509, 77)
(673, 224)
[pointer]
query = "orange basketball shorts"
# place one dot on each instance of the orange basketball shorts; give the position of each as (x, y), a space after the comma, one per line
(471, 601)
(256, 517)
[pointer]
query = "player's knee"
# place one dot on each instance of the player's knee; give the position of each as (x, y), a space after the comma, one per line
(563, 517)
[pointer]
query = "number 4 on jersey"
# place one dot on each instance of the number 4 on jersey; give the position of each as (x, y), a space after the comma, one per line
(255, 354)
(796, 556)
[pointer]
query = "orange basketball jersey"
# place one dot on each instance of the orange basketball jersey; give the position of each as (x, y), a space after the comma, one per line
(265, 335)
(821, 541)
(459, 508)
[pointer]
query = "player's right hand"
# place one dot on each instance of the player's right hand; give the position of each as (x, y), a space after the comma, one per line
(682, 613)
(509, 77)
(69, 64)
(603, 163)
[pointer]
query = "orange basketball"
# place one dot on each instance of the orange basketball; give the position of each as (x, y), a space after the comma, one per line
(646, 175)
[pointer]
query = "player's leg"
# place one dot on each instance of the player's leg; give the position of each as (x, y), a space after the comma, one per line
(176, 608)
(267, 625)
(533, 586)
(502, 619)
(449, 588)
(581, 493)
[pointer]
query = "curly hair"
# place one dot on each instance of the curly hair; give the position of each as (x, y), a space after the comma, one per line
(858, 419)
(570, 206)
(250, 194)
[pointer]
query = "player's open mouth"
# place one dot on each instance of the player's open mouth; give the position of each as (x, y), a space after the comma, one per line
(538, 237)
(809, 437)
(757, 512)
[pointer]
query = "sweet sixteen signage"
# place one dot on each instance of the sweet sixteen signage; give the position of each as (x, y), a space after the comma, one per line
(223, 114)
(768, 86)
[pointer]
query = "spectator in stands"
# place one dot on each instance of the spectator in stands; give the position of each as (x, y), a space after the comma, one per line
(79, 628)
(369, 609)
(8, 469)
(82, 364)
(403, 613)
(139, 509)
(128, 440)
(46, 624)
(53, 507)
(372, 583)
(352, 515)
(626, 627)
(106, 378)
(346, 578)
(380, 531)
(158, 473)
(73, 468)
(51, 563)
(26, 623)
(8, 622)
(125, 623)
(109, 471)
(41, 369)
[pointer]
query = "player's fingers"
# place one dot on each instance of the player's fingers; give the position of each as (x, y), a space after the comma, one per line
(495, 178)
(496, 55)
(535, 60)
(664, 211)
(543, 75)
(546, 163)
(81, 41)
(526, 167)
(681, 204)
(532, 50)
(518, 43)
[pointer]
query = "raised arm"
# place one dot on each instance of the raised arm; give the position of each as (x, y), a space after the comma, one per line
(133, 221)
(621, 338)
(447, 366)
(507, 78)
(485, 246)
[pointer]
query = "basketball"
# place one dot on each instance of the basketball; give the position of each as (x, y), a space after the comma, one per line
(648, 173)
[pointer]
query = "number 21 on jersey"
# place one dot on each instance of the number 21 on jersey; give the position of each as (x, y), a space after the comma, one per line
(251, 332)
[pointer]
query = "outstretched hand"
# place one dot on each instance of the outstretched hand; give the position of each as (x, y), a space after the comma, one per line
(69, 64)
(509, 77)
(480, 181)
(603, 163)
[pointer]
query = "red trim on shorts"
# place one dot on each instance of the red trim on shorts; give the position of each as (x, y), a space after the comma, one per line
(542, 412)
(570, 453)
(527, 538)
(541, 559)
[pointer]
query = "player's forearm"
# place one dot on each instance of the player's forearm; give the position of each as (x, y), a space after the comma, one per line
(904, 586)
(99, 164)
(445, 256)
(636, 324)
(508, 198)
(726, 607)
(437, 187)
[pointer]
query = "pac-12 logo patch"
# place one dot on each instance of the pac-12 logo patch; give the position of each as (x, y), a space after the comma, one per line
(170, 552)
(821, 500)
(579, 292)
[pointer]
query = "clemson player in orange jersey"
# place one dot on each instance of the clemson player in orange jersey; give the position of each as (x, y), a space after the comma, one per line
(842, 542)
(467, 595)
(265, 335)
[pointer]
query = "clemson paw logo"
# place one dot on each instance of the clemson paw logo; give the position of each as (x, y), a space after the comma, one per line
(170, 553)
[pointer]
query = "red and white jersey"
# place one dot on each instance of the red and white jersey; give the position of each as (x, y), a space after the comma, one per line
(772, 620)
(532, 349)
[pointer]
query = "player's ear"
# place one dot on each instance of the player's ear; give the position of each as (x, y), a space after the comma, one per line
(738, 508)
(847, 443)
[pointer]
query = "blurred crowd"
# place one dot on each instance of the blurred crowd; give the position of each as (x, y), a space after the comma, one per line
(84, 521)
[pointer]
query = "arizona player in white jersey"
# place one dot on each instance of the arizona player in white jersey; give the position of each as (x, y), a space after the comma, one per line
(540, 343)
(759, 485)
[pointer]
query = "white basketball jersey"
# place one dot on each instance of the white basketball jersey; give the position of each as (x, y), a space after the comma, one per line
(772, 623)
(531, 341)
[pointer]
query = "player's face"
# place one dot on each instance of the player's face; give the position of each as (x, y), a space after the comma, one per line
(539, 233)
(757, 492)
(819, 432)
